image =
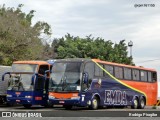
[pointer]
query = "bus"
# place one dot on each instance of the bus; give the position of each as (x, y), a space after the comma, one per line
(28, 83)
(4, 84)
(94, 84)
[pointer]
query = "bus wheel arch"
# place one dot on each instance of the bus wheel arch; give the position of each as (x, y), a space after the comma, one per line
(135, 102)
(95, 102)
(142, 102)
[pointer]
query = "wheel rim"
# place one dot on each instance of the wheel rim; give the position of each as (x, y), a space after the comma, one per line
(142, 103)
(135, 103)
(95, 103)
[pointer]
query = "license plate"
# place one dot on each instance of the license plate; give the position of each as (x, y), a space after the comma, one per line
(18, 101)
(61, 102)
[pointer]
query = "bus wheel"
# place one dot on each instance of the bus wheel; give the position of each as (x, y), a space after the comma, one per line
(135, 103)
(10, 104)
(94, 104)
(27, 105)
(49, 105)
(142, 103)
(67, 107)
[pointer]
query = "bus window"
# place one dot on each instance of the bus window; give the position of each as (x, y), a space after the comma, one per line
(135, 74)
(118, 72)
(89, 68)
(143, 76)
(109, 68)
(42, 69)
(127, 74)
(149, 77)
(98, 71)
(154, 76)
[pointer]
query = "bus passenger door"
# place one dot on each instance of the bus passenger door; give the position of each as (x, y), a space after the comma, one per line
(42, 83)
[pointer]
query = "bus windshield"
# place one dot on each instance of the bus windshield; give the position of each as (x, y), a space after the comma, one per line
(65, 76)
(20, 82)
(24, 67)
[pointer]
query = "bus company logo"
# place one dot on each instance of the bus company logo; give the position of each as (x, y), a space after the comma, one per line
(115, 97)
(6, 114)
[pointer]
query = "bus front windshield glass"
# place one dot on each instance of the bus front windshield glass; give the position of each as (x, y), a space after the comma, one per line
(24, 67)
(65, 76)
(20, 82)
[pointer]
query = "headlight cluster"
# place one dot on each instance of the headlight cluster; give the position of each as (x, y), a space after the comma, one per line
(9, 95)
(51, 97)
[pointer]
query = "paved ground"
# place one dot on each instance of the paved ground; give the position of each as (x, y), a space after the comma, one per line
(58, 113)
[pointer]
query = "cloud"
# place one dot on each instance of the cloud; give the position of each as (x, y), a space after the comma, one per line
(110, 19)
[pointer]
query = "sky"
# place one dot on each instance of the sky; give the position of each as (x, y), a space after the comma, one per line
(109, 19)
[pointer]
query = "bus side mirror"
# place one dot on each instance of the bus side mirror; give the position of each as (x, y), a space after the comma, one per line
(4, 75)
(47, 72)
(33, 78)
(85, 78)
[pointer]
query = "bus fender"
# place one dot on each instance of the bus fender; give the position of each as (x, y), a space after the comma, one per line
(96, 95)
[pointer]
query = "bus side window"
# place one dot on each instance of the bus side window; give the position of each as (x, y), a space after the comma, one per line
(154, 76)
(109, 69)
(135, 74)
(89, 68)
(149, 77)
(118, 72)
(98, 71)
(42, 69)
(127, 74)
(143, 76)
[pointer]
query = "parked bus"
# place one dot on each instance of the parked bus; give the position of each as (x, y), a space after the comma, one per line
(4, 84)
(28, 84)
(95, 83)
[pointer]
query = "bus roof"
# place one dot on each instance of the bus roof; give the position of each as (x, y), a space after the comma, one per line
(32, 62)
(123, 65)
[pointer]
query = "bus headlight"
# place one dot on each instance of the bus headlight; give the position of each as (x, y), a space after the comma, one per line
(51, 97)
(9, 95)
(28, 96)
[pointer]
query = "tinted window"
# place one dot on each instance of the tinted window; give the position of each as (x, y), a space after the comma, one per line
(42, 69)
(89, 68)
(149, 77)
(98, 71)
(118, 72)
(135, 74)
(154, 76)
(127, 74)
(109, 68)
(143, 75)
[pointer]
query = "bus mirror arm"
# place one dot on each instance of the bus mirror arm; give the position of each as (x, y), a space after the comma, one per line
(33, 77)
(85, 77)
(4, 75)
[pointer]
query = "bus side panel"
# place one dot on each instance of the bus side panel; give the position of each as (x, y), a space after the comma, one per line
(149, 88)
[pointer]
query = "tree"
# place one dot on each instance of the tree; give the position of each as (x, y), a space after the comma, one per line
(90, 47)
(19, 39)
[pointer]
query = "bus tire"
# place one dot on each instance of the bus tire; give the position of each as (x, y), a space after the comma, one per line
(135, 103)
(67, 107)
(94, 104)
(10, 104)
(142, 103)
(27, 105)
(49, 105)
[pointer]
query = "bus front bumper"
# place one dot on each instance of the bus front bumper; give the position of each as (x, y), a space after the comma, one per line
(73, 102)
(15, 100)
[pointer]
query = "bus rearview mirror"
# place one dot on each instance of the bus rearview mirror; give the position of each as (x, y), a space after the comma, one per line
(85, 78)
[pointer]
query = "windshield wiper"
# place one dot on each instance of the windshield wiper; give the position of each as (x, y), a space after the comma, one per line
(62, 83)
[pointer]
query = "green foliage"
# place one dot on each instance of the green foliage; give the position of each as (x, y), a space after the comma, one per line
(19, 39)
(76, 47)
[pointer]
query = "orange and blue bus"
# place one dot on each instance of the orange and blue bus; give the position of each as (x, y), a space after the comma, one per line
(28, 83)
(94, 83)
